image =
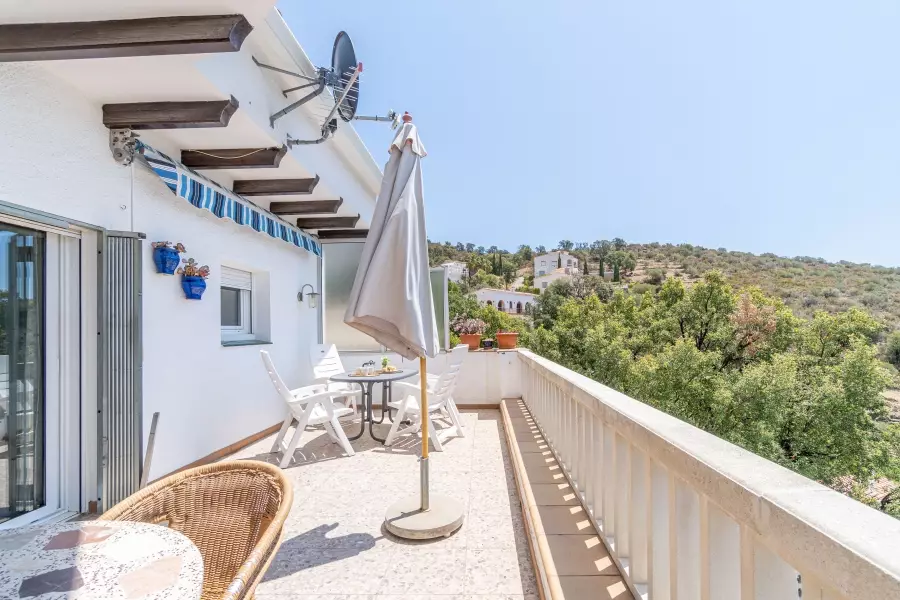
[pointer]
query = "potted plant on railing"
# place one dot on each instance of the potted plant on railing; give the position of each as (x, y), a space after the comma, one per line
(193, 279)
(165, 256)
(469, 331)
(507, 340)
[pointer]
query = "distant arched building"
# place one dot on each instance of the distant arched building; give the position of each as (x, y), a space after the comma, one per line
(513, 303)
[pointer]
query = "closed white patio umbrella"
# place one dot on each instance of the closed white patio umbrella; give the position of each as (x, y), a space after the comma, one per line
(391, 301)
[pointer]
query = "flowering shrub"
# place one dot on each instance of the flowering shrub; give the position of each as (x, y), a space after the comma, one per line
(467, 326)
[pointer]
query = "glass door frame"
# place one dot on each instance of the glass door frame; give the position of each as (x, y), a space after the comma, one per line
(62, 356)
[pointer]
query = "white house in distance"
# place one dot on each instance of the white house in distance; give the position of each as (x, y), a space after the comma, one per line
(549, 262)
(96, 338)
(547, 268)
(516, 303)
(541, 282)
(456, 270)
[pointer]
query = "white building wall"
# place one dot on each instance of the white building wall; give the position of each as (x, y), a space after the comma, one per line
(541, 282)
(550, 261)
(55, 158)
(495, 296)
(456, 271)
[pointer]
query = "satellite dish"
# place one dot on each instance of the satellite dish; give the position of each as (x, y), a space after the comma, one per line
(342, 79)
(343, 64)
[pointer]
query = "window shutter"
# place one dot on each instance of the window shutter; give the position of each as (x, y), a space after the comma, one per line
(235, 278)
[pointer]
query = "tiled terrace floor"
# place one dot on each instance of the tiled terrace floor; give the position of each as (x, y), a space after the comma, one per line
(335, 544)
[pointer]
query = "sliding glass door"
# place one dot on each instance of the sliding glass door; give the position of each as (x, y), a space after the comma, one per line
(22, 397)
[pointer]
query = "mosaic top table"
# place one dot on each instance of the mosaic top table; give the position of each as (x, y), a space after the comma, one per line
(90, 560)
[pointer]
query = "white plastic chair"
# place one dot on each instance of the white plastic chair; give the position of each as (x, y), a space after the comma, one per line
(457, 355)
(308, 405)
(439, 396)
(326, 363)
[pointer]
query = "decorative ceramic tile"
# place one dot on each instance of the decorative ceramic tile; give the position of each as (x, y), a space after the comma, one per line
(155, 576)
(127, 548)
(79, 537)
(17, 539)
(61, 580)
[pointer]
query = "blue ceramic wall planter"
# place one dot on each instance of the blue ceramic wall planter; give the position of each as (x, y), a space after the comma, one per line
(193, 286)
(165, 257)
(193, 279)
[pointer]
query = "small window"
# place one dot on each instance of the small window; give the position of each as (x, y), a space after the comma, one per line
(237, 305)
(543, 263)
(569, 262)
(544, 285)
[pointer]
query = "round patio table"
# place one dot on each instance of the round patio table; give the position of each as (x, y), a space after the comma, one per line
(99, 559)
(366, 382)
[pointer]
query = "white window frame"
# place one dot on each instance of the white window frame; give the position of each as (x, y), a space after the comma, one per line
(242, 281)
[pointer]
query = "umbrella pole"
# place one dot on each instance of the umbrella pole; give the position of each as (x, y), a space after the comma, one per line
(423, 462)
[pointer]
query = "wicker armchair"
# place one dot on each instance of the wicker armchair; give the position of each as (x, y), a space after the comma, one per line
(234, 513)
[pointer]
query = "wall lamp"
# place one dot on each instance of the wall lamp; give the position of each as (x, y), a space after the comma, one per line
(313, 295)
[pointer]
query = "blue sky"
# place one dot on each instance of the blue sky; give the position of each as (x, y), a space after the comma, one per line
(765, 126)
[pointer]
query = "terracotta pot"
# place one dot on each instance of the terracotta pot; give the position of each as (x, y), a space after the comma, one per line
(472, 340)
(507, 341)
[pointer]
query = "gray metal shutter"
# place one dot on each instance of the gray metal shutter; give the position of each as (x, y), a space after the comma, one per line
(120, 366)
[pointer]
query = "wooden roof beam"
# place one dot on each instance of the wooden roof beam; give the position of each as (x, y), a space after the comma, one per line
(274, 187)
(327, 222)
(129, 37)
(347, 234)
(306, 207)
(233, 158)
(169, 115)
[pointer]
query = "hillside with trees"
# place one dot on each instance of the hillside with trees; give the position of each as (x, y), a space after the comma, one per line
(805, 284)
(711, 338)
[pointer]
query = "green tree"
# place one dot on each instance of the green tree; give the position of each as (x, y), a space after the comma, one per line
(524, 253)
(484, 279)
(566, 245)
(470, 247)
(540, 249)
(806, 394)
(892, 349)
(461, 303)
(619, 243)
(601, 249)
(616, 259)
(655, 276)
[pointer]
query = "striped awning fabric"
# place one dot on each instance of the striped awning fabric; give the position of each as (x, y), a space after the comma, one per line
(207, 195)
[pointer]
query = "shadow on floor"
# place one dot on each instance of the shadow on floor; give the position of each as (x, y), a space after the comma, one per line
(330, 549)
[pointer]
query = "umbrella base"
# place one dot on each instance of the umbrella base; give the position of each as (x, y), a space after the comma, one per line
(406, 519)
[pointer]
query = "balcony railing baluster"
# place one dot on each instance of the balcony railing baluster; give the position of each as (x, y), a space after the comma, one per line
(660, 566)
(689, 515)
(640, 518)
(623, 497)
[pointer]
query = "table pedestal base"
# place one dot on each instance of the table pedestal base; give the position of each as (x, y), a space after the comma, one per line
(406, 519)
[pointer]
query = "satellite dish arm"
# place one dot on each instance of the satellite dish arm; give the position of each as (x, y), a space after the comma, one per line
(319, 89)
